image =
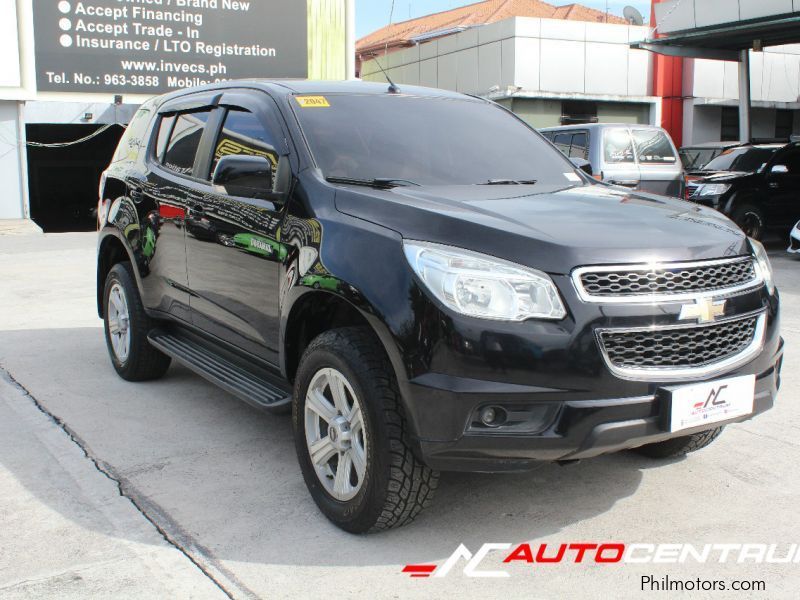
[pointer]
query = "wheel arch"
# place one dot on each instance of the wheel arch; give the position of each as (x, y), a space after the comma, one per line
(111, 250)
(310, 312)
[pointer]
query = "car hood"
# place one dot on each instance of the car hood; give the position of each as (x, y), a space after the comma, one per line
(717, 176)
(549, 228)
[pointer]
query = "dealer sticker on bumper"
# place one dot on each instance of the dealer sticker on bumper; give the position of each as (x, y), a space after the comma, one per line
(712, 402)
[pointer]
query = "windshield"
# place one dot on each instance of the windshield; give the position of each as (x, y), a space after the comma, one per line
(746, 159)
(426, 141)
(697, 158)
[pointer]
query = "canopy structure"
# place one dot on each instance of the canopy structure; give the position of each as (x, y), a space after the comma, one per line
(723, 30)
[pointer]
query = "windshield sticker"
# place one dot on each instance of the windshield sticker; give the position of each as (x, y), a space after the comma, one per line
(572, 177)
(312, 101)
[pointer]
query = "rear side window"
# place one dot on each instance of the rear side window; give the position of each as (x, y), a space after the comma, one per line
(617, 146)
(653, 147)
(579, 148)
(562, 141)
(243, 133)
(184, 141)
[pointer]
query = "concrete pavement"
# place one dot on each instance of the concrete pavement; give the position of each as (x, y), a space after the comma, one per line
(174, 488)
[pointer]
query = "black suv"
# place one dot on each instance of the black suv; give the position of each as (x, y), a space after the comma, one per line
(756, 185)
(426, 283)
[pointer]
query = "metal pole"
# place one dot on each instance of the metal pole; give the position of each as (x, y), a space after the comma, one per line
(350, 39)
(745, 127)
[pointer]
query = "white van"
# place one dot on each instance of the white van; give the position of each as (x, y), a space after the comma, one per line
(642, 157)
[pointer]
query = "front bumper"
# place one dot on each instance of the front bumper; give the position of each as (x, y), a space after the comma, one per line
(563, 402)
(581, 429)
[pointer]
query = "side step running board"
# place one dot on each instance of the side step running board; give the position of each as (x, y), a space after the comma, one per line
(255, 388)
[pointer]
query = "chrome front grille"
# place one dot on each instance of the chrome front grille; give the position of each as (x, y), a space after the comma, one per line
(665, 281)
(678, 351)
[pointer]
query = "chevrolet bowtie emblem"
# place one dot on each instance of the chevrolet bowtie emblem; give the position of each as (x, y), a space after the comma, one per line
(705, 310)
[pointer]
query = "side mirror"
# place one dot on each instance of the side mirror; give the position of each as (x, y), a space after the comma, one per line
(779, 169)
(252, 177)
(582, 164)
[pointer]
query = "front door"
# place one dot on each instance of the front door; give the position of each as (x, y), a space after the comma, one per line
(234, 252)
(783, 188)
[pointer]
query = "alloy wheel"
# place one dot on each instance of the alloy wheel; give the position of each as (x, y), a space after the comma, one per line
(119, 323)
(335, 435)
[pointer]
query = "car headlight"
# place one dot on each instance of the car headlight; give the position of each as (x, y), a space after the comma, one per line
(712, 189)
(482, 286)
(763, 264)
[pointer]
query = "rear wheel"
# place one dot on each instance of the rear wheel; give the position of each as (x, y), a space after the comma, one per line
(750, 219)
(126, 328)
(680, 446)
(351, 436)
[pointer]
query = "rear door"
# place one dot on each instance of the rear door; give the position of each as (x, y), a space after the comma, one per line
(169, 186)
(783, 189)
(619, 159)
(660, 169)
(234, 251)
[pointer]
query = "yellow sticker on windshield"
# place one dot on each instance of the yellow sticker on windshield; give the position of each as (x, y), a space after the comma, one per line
(312, 101)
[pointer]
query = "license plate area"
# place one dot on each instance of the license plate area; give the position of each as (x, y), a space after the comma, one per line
(698, 404)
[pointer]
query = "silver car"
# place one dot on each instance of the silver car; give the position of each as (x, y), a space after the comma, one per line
(642, 157)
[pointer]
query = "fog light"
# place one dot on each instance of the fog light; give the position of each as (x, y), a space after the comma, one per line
(488, 416)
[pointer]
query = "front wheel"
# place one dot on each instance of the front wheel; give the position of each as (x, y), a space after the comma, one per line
(750, 219)
(351, 437)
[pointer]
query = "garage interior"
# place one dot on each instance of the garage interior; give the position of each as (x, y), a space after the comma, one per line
(63, 179)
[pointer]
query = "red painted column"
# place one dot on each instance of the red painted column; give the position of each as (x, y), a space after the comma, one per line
(668, 85)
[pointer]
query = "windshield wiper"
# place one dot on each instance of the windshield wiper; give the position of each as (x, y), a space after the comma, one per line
(509, 182)
(378, 182)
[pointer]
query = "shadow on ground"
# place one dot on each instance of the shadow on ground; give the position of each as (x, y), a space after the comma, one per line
(223, 478)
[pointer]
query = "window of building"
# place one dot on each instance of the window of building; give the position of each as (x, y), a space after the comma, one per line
(243, 133)
(730, 124)
(578, 111)
(784, 124)
(184, 141)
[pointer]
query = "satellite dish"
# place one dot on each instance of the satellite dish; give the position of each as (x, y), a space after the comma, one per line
(633, 16)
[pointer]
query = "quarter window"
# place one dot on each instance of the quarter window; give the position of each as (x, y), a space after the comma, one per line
(164, 129)
(184, 141)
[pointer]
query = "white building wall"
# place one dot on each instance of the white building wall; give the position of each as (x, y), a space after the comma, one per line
(12, 167)
(545, 56)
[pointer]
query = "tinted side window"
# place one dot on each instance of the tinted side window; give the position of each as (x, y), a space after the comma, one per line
(184, 141)
(579, 148)
(653, 147)
(243, 133)
(617, 146)
(562, 141)
(164, 129)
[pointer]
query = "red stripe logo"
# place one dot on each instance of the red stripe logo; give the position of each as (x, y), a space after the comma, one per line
(419, 570)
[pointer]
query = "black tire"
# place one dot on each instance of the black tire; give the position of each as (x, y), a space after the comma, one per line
(750, 219)
(143, 362)
(680, 446)
(396, 485)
